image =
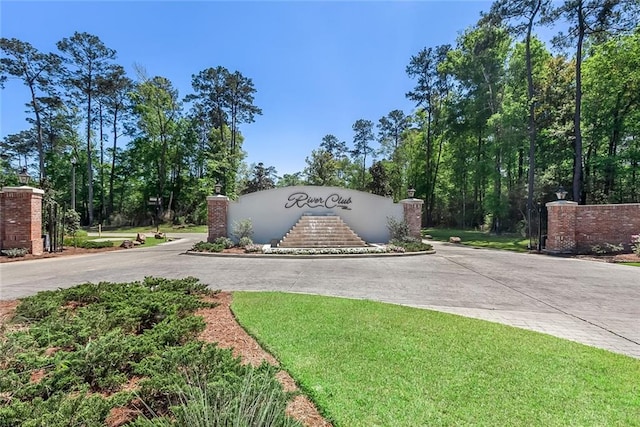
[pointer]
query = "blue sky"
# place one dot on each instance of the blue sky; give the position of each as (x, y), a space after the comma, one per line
(317, 66)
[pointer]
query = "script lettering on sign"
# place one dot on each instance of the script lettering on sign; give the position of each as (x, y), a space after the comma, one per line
(303, 200)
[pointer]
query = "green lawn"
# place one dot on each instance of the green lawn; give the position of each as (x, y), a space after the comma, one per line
(633, 264)
(83, 241)
(166, 228)
(482, 239)
(373, 364)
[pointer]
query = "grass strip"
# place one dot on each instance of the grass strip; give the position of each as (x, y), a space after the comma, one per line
(366, 363)
(482, 239)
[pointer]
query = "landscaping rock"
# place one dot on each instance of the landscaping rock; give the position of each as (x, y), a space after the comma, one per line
(428, 237)
(160, 235)
(127, 244)
(141, 238)
(455, 239)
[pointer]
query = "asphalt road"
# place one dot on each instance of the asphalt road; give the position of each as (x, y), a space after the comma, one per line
(590, 302)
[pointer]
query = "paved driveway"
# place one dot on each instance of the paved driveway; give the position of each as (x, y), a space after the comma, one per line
(590, 302)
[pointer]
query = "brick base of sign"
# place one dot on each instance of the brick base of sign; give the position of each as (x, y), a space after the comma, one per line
(573, 228)
(21, 219)
(413, 216)
(217, 208)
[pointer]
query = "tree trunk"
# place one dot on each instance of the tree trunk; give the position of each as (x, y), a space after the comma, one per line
(578, 195)
(40, 137)
(112, 174)
(532, 124)
(89, 164)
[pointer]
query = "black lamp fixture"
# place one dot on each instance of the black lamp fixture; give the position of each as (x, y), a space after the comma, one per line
(411, 192)
(561, 193)
(218, 188)
(24, 177)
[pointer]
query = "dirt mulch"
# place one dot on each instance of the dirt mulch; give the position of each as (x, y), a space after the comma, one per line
(222, 328)
(612, 258)
(65, 252)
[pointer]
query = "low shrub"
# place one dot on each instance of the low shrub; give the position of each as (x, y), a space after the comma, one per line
(242, 228)
(398, 230)
(82, 242)
(635, 244)
(606, 248)
(416, 246)
(224, 241)
(15, 252)
(208, 247)
(88, 341)
(245, 241)
(92, 244)
(253, 248)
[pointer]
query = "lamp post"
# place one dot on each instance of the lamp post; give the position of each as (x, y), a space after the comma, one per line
(411, 192)
(24, 177)
(218, 188)
(74, 162)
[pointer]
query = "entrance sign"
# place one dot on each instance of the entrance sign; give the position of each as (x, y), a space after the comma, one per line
(303, 200)
(274, 212)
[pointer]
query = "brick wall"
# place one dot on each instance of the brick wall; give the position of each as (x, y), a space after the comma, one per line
(21, 219)
(578, 228)
(217, 207)
(413, 216)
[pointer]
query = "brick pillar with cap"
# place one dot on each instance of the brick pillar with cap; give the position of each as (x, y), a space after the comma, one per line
(413, 216)
(561, 227)
(21, 219)
(217, 210)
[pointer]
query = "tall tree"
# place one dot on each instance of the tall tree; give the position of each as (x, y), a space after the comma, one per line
(239, 102)
(478, 65)
(158, 109)
(115, 88)
(429, 94)
(35, 69)
(262, 178)
(595, 18)
(331, 144)
(391, 129)
(87, 58)
(363, 130)
(226, 100)
(322, 168)
(521, 17)
(379, 183)
(611, 102)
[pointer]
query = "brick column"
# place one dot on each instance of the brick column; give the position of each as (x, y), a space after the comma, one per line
(21, 219)
(413, 216)
(217, 208)
(561, 227)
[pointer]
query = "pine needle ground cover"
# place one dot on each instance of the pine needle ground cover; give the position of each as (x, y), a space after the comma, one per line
(78, 356)
(372, 364)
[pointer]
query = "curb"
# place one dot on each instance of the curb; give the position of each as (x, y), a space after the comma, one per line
(323, 256)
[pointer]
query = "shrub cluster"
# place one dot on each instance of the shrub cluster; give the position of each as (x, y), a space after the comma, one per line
(79, 241)
(71, 351)
(15, 252)
(635, 244)
(412, 245)
(208, 247)
(224, 242)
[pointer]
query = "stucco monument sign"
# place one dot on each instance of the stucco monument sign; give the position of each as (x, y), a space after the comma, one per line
(274, 212)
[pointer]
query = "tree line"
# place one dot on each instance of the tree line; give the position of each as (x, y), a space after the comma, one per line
(501, 119)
